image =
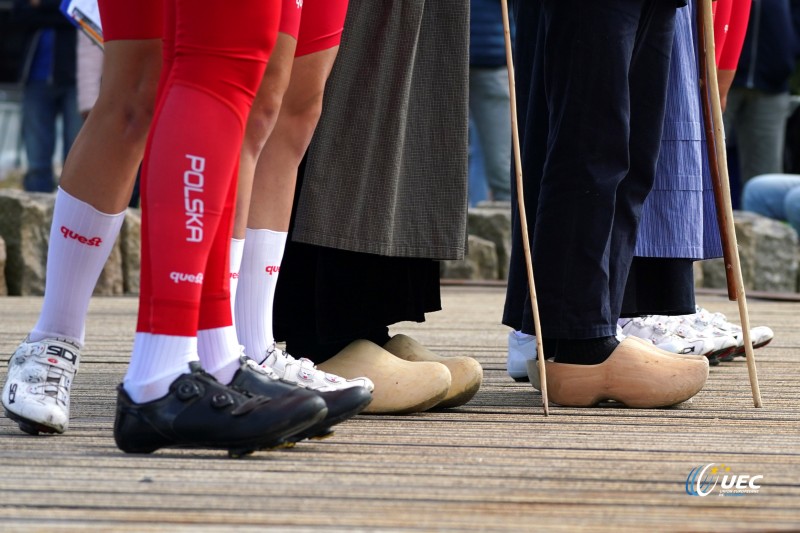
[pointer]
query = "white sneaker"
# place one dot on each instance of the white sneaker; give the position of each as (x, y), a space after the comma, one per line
(759, 335)
(701, 322)
(303, 373)
(36, 393)
(666, 335)
(521, 349)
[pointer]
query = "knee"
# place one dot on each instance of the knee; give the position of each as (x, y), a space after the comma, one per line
(301, 119)
(261, 120)
(792, 207)
(128, 112)
(765, 193)
(753, 193)
(748, 195)
(138, 111)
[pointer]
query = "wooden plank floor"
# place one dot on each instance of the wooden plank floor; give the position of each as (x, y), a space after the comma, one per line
(495, 464)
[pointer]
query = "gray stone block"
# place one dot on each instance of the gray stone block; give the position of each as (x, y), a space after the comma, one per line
(479, 264)
(130, 246)
(25, 227)
(714, 274)
(698, 274)
(492, 221)
(25, 220)
(768, 252)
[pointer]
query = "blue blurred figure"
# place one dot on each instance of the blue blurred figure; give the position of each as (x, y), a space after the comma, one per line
(490, 117)
(759, 101)
(776, 196)
(49, 87)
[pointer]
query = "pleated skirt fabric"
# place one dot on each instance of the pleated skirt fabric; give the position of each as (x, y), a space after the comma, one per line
(679, 216)
(382, 195)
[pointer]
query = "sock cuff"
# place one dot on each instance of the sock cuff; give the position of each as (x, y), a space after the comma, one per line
(37, 335)
(258, 236)
(61, 192)
(219, 351)
(156, 361)
(236, 253)
(220, 340)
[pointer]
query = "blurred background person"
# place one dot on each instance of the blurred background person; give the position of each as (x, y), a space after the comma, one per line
(775, 196)
(48, 75)
(490, 118)
(89, 72)
(88, 77)
(758, 103)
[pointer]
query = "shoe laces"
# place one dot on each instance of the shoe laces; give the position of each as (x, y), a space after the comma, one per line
(275, 354)
(658, 327)
(668, 328)
(252, 400)
(721, 321)
(644, 327)
(642, 322)
(685, 331)
(700, 320)
(718, 320)
(57, 379)
(262, 369)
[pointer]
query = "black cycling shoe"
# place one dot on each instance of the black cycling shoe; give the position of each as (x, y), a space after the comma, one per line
(342, 404)
(200, 412)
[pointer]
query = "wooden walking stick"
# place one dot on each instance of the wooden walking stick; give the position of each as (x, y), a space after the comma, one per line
(521, 204)
(715, 138)
(728, 248)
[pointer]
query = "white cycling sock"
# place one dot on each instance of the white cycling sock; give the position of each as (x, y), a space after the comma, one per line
(157, 361)
(81, 239)
(258, 276)
(237, 248)
(218, 349)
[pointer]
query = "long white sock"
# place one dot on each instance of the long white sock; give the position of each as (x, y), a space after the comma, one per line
(237, 249)
(81, 239)
(156, 361)
(219, 352)
(258, 276)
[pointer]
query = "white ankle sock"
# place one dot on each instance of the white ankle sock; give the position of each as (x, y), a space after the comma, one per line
(219, 352)
(81, 239)
(237, 248)
(263, 251)
(156, 361)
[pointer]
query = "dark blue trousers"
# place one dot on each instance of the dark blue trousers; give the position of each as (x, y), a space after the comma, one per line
(591, 90)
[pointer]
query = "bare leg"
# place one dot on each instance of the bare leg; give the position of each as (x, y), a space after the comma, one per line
(260, 123)
(276, 171)
(271, 205)
(101, 166)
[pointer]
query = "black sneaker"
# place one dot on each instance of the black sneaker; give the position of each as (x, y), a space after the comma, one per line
(342, 404)
(200, 412)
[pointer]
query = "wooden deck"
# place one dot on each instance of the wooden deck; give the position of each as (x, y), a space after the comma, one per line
(496, 464)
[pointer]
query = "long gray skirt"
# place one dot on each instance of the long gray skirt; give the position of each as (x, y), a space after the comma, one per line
(387, 169)
(383, 193)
